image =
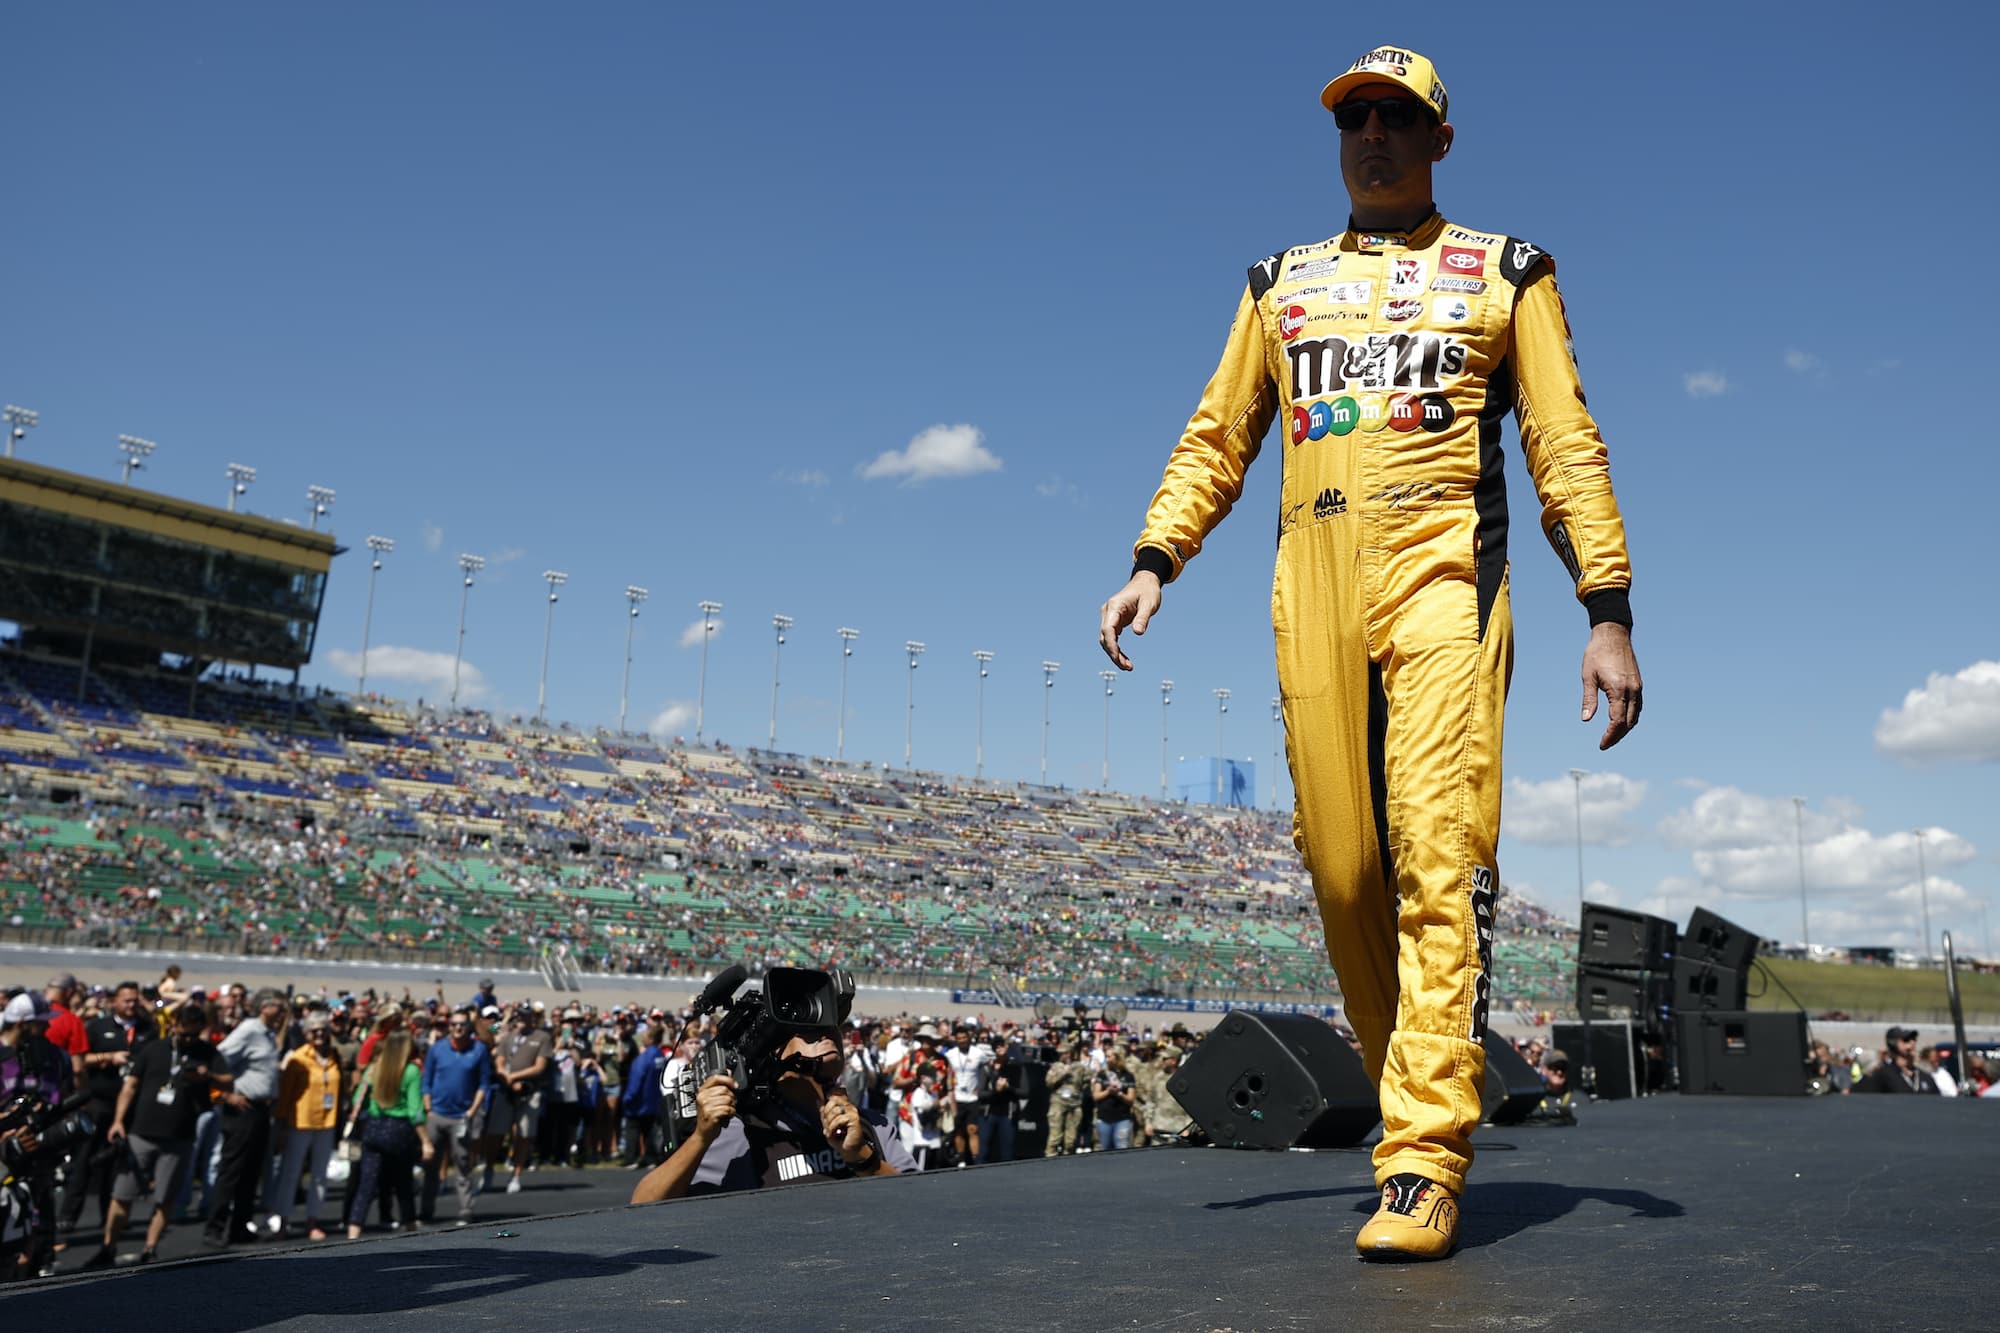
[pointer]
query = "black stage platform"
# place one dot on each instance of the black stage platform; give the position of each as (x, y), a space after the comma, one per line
(1835, 1213)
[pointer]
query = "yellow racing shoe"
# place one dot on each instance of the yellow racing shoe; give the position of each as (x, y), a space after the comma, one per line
(1418, 1219)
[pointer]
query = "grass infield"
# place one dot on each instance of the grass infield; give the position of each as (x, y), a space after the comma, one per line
(1871, 993)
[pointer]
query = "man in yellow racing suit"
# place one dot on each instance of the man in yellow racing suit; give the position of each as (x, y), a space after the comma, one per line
(1390, 356)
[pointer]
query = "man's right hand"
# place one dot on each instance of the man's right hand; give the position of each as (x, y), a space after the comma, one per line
(714, 1106)
(116, 1134)
(1135, 604)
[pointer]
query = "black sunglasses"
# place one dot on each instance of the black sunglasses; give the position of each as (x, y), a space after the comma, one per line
(1398, 113)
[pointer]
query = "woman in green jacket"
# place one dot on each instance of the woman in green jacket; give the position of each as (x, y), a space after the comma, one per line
(389, 1118)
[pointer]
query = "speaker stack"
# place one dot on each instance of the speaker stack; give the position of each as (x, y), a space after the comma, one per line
(1724, 1048)
(1624, 994)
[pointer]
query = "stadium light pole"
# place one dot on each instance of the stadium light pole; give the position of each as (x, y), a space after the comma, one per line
(1104, 778)
(379, 546)
(915, 650)
(1221, 711)
(470, 565)
(634, 595)
(779, 624)
(982, 657)
(1805, 920)
(136, 452)
(20, 421)
(1277, 716)
(318, 499)
(1923, 891)
(240, 477)
(1049, 670)
(555, 578)
(1166, 702)
(847, 638)
(709, 611)
(1576, 777)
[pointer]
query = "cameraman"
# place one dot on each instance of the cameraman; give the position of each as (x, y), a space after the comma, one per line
(813, 1132)
(31, 1066)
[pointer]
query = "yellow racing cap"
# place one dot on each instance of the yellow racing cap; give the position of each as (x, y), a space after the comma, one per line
(1390, 64)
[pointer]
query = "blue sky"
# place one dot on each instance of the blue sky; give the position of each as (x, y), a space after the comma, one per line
(676, 297)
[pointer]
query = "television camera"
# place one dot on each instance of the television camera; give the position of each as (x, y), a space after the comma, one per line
(756, 1023)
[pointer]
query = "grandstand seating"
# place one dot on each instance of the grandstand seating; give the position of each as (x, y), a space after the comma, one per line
(235, 813)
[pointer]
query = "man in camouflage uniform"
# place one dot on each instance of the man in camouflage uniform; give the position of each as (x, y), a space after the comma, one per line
(1069, 1084)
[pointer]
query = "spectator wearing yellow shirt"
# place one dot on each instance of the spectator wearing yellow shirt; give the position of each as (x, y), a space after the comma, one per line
(308, 1113)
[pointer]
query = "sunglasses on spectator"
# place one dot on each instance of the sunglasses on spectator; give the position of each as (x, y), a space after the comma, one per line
(811, 1067)
(1397, 113)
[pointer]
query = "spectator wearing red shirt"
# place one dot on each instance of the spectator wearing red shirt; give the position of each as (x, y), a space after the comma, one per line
(66, 1032)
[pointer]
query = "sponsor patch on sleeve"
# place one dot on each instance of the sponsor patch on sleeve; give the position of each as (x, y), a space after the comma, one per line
(1518, 259)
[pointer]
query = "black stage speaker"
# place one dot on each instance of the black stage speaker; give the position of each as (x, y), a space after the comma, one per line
(1736, 1053)
(1513, 1088)
(1721, 942)
(1640, 997)
(1613, 937)
(1613, 1053)
(1276, 1080)
(1699, 984)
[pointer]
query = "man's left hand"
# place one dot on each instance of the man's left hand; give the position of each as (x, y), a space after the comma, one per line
(1610, 667)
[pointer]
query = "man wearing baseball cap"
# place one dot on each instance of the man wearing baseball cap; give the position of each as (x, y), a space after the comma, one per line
(1898, 1071)
(1389, 355)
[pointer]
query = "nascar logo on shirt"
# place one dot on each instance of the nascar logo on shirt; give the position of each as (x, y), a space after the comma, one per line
(1313, 268)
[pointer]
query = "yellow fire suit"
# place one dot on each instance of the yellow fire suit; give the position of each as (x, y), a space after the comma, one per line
(1391, 362)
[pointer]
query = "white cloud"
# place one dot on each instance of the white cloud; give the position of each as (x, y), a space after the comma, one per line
(1747, 846)
(429, 672)
(1724, 818)
(1801, 363)
(1545, 812)
(433, 537)
(1950, 717)
(808, 477)
(1705, 383)
(1055, 488)
(671, 719)
(691, 636)
(940, 451)
(508, 556)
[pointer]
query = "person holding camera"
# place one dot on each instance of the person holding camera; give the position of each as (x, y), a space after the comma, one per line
(810, 1131)
(1112, 1093)
(166, 1088)
(32, 1066)
(1002, 1100)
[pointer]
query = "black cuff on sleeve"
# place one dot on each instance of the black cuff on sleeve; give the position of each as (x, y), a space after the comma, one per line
(1612, 605)
(1153, 560)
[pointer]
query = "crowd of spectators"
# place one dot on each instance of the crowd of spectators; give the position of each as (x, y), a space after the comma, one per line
(267, 1113)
